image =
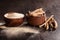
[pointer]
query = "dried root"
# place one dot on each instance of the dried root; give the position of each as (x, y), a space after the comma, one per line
(47, 26)
(46, 21)
(50, 23)
(36, 12)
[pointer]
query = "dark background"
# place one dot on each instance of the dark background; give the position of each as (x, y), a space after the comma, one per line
(23, 6)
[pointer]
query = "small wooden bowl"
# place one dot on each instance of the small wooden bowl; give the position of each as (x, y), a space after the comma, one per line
(35, 21)
(14, 19)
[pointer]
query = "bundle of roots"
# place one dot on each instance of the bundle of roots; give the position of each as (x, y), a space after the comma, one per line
(50, 23)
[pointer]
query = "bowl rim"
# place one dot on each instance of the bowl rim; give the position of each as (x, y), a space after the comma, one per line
(6, 14)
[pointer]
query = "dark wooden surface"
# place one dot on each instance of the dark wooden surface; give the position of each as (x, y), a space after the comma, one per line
(50, 6)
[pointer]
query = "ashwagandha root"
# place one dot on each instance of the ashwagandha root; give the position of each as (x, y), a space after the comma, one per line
(46, 21)
(55, 23)
(50, 21)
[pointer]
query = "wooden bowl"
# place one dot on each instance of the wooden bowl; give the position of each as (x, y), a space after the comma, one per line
(35, 21)
(13, 19)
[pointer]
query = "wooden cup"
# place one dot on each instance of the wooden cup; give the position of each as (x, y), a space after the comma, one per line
(13, 19)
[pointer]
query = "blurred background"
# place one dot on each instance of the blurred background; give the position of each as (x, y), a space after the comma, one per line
(23, 6)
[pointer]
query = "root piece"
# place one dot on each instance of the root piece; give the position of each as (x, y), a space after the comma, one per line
(47, 26)
(51, 25)
(55, 23)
